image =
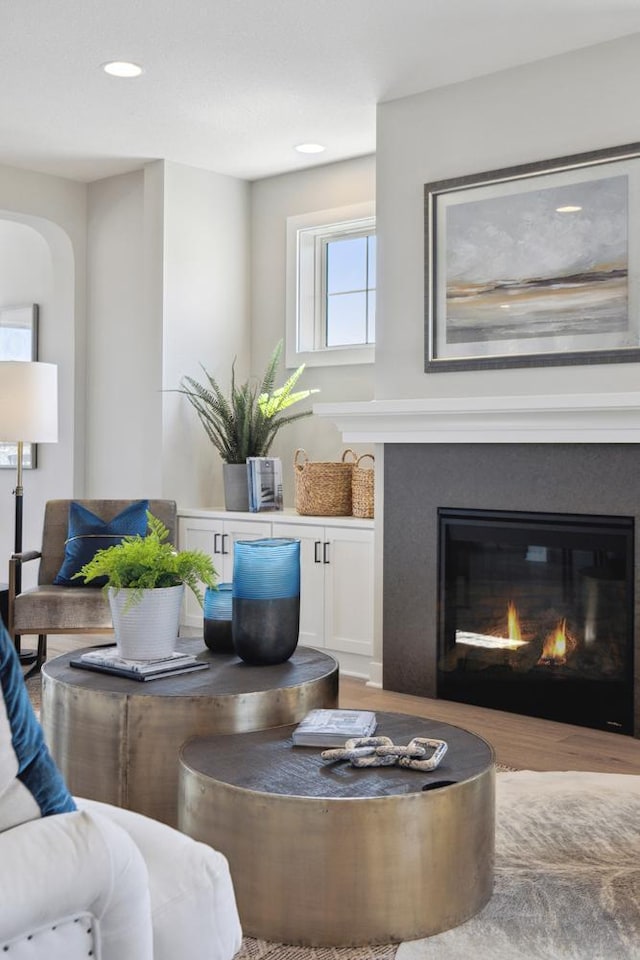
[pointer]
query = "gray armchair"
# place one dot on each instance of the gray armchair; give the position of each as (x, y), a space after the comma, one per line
(48, 608)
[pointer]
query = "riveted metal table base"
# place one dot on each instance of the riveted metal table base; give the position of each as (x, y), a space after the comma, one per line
(118, 740)
(326, 856)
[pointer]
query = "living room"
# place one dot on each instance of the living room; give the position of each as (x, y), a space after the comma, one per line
(130, 301)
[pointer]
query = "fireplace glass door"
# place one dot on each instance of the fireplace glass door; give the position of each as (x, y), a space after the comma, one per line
(536, 615)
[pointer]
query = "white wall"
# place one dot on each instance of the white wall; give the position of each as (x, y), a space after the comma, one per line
(124, 345)
(272, 201)
(206, 317)
(565, 105)
(43, 223)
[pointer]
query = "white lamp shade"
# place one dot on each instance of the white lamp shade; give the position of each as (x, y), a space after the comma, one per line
(28, 402)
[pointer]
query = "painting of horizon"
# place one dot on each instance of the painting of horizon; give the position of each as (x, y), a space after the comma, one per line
(541, 263)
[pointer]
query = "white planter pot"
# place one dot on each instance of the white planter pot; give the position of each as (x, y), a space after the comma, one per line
(146, 629)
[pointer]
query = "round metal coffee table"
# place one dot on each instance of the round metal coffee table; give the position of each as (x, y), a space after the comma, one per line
(117, 740)
(334, 855)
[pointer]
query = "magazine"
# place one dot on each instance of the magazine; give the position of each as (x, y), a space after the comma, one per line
(107, 660)
(331, 728)
(264, 477)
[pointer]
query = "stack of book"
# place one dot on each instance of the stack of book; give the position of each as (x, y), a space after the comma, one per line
(107, 660)
(332, 728)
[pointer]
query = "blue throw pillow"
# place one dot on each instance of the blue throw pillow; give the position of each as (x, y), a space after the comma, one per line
(87, 534)
(30, 783)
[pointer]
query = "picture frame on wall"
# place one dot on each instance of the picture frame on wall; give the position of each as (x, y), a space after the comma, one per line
(18, 341)
(534, 265)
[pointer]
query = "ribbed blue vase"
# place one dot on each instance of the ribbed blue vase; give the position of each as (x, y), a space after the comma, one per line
(218, 606)
(266, 599)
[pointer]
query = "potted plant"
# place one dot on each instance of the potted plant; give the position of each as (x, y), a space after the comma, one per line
(245, 423)
(144, 578)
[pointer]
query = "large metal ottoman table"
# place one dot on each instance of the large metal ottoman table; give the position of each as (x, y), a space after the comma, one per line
(117, 740)
(336, 855)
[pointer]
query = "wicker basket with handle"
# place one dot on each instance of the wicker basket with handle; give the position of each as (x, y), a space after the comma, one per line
(323, 488)
(362, 487)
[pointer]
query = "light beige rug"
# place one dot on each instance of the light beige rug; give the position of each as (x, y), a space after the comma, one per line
(567, 874)
(567, 881)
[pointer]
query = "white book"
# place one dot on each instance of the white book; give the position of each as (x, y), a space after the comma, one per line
(331, 728)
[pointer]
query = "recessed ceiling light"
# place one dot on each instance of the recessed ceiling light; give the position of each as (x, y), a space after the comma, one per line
(310, 148)
(568, 209)
(122, 68)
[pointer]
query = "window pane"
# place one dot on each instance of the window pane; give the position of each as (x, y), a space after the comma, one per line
(346, 319)
(347, 265)
(371, 330)
(372, 262)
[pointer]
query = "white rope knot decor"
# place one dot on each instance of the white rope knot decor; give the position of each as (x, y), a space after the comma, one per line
(421, 753)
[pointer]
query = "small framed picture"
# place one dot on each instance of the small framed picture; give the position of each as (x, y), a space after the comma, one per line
(18, 341)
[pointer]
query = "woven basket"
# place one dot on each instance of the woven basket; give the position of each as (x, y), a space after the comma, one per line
(362, 487)
(323, 488)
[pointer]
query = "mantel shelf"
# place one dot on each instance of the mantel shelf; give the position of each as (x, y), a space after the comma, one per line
(559, 418)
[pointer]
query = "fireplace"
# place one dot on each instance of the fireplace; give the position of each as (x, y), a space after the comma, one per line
(568, 453)
(535, 614)
(593, 481)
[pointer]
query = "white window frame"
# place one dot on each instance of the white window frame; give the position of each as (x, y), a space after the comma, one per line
(305, 297)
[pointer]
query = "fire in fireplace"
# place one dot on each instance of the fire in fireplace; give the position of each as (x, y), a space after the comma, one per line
(536, 614)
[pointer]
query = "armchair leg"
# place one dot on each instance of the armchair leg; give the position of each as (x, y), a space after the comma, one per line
(36, 658)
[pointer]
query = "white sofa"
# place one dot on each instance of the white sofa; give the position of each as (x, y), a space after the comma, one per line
(84, 879)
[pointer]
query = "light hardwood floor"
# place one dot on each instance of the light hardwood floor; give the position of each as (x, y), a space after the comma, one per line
(525, 743)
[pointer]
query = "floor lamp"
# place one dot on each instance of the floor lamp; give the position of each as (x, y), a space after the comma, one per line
(28, 414)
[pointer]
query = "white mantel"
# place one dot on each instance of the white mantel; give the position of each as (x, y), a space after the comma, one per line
(559, 418)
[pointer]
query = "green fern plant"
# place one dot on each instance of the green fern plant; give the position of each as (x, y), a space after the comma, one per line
(245, 423)
(150, 562)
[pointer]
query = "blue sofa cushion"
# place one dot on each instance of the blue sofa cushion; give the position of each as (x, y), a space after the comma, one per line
(31, 785)
(88, 533)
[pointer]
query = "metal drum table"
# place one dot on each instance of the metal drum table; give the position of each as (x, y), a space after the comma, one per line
(336, 855)
(118, 740)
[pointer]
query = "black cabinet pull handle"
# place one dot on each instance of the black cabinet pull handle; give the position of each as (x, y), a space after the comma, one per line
(316, 551)
(224, 546)
(216, 548)
(325, 552)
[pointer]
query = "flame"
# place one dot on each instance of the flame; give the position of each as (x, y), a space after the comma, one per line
(557, 645)
(513, 622)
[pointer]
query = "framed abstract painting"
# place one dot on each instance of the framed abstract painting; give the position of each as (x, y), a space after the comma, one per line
(535, 265)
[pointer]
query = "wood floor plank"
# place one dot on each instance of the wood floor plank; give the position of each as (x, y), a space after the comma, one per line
(526, 743)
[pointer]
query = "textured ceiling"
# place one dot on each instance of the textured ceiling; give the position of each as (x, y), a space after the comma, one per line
(233, 85)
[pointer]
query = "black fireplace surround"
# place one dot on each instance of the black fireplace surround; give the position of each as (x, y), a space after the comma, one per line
(567, 512)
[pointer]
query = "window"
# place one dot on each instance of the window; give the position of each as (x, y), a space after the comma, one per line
(331, 287)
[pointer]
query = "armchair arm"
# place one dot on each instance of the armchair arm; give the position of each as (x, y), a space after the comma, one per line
(15, 567)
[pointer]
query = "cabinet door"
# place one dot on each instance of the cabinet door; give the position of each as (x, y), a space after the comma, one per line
(311, 580)
(348, 584)
(215, 536)
(199, 533)
(232, 531)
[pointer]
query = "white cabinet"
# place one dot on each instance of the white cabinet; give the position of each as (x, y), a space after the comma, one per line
(336, 591)
(216, 534)
(336, 571)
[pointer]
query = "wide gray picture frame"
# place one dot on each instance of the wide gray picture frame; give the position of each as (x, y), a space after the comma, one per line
(535, 265)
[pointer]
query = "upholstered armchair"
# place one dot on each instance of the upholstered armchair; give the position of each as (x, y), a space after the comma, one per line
(64, 607)
(84, 879)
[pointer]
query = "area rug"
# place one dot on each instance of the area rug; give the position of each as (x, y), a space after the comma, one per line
(567, 883)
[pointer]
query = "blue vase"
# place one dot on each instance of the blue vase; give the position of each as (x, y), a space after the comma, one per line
(218, 606)
(266, 599)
